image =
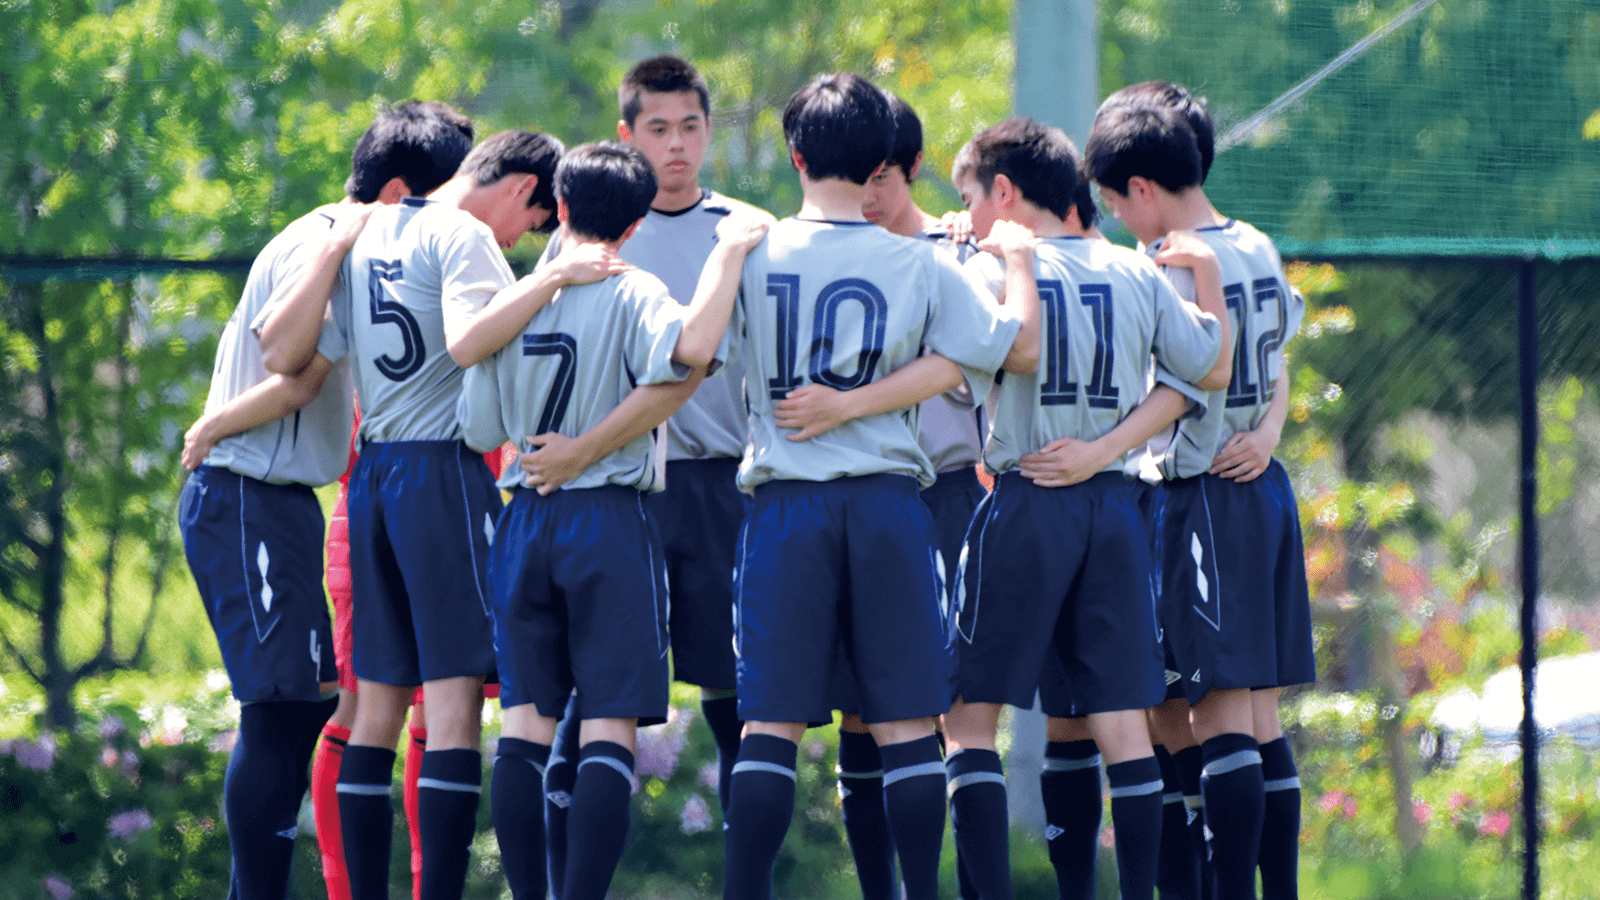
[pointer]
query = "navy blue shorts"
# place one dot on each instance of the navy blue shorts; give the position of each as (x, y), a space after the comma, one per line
(580, 601)
(848, 563)
(700, 514)
(1234, 597)
(256, 553)
(1063, 570)
(422, 515)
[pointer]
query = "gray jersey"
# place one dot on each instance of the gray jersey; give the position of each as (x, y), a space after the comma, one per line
(843, 304)
(950, 426)
(310, 446)
(1106, 311)
(674, 247)
(576, 360)
(1266, 312)
(415, 265)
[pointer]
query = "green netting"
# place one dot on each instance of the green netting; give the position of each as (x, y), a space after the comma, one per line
(1472, 128)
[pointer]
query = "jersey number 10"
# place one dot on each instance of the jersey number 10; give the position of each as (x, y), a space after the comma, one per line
(785, 289)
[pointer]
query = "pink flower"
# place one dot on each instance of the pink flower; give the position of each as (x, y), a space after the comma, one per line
(1351, 807)
(1333, 801)
(56, 888)
(129, 825)
(38, 755)
(1496, 823)
(1422, 811)
(1458, 800)
(695, 816)
(1108, 836)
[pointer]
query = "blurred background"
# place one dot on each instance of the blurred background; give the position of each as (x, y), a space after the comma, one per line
(1423, 166)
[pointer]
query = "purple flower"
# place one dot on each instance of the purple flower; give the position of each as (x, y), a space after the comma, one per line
(38, 755)
(711, 775)
(696, 815)
(129, 825)
(659, 749)
(111, 728)
(56, 888)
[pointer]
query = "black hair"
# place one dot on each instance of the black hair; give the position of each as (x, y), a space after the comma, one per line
(1174, 97)
(1152, 142)
(1083, 202)
(841, 126)
(1041, 161)
(907, 136)
(665, 74)
(518, 153)
(422, 144)
(607, 186)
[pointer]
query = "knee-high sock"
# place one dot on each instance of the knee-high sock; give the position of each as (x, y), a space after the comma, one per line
(448, 792)
(913, 790)
(976, 784)
(1188, 762)
(1280, 824)
(1178, 871)
(366, 818)
(722, 717)
(597, 824)
(325, 809)
(516, 801)
(866, 822)
(266, 779)
(761, 803)
(1070, 785)
(416, 746)
(1136, 816)
(1235, 800)
(560, 777)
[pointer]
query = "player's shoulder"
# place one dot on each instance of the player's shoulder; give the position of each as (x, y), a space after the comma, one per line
(306, 229)
(1244, 239)
(717, 204)
(638, 285)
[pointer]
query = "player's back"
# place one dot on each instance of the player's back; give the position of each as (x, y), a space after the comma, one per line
(950, 428)
(1265, 312)
(308, 446)
(414, 264)
(1104, 311)
(573, 363)
(843, 304)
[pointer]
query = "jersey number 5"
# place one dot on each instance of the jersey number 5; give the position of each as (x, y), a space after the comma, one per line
(389, 312)
(785, 289)
(565, 350)
(1058, 388)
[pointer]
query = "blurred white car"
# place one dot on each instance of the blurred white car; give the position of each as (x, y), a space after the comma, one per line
(1565, 702)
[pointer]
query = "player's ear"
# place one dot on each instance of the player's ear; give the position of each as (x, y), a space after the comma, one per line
(1140, 188)
(798, 161)
(631, 229)
(1003, 192)
(916, 165)
(394, 190)
(562, 212)
(624, 133)
(524, 187)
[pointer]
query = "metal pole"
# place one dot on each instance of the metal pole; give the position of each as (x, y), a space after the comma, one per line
(1527, 327)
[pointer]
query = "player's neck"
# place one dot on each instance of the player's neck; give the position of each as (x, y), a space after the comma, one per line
(457, 192)
(579, 240)
(1041, 222)
(831, 199)
(1190, 209)
(910, 221)
(671, 201)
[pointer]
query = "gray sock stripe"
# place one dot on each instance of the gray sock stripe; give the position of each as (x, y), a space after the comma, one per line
(1059, 764)
(756, 765)
(1231, 762)
(1284, 784)
(440, 784)
(610, 762)
(1173, 797)
(843, 774)
(1137, 790)
(539, 768)
(958, 782)
(1194, 801)
(892, 776)
(364, 790)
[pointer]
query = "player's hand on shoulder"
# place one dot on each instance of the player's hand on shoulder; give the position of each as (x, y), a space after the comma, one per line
(554, 460)
(957, 223)
(1245, 455)
(349, 218)
(1006, 238)
(812, 410)
(586, 263)
(197, 443)
(743, 230)
(1186, 249)
(1063, 462)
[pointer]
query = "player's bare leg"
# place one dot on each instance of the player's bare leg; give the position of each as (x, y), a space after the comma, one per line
(977, 788)
(1280, 824)
(1070, 787)
(1232, 786)
(866, 823)
(1183, 873)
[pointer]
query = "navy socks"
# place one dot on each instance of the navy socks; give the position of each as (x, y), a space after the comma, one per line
(1178, 869)
(366, 819)
(1070, 783)
(722, 717)
(597, 822)
(560, 777)
(1234, 805)
(760, 805)
(448, 791)
(914, 791)
(267, 777)
(1280, 823)
(977, 788)
(866, 821)
(516, 802)
(1136, 790)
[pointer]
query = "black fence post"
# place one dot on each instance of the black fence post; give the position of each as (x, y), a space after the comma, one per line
(1528, 352)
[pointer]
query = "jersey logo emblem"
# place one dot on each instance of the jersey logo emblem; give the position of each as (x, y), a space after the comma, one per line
(1189, 815)
(560, 798)
(843, 791)
(266, 588)
(488, 528)
(1173, 677)
(291, 833)
(1051, 832)
(316, 649)
(1196, 677)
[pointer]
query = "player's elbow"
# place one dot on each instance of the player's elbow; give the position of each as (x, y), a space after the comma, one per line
(1218, 377)
(280, 360)
(691, 352)
(1023, 359)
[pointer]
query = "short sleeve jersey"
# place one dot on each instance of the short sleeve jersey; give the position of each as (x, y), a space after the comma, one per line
(1105, 310)
(415, 265)
(844, 304)
(576, 360)
(304, 447)
(950, 429)
(1266, 312)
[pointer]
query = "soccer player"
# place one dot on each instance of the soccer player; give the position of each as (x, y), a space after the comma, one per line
(838, 544)
(1234, 600)
(1101, 312)
(577, 574)
(253, 529)
(421, 505)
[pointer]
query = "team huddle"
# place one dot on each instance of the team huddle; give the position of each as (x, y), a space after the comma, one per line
(744, 456)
